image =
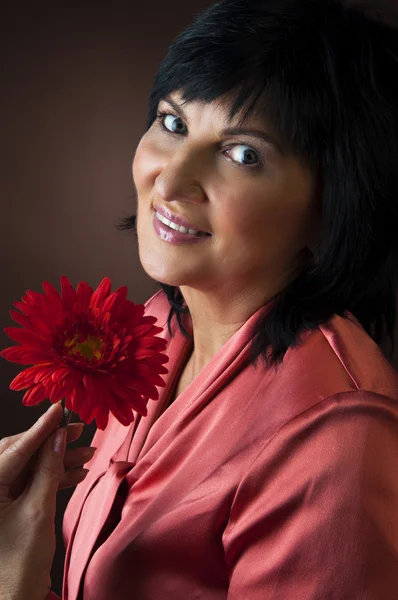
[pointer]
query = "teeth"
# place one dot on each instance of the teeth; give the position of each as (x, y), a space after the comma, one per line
(177, 227)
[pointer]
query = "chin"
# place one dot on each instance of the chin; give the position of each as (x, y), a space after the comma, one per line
(159, 274)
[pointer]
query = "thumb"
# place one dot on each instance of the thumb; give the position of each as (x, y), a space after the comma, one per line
(49, 470)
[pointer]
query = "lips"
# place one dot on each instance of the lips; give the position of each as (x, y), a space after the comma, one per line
(178, 220)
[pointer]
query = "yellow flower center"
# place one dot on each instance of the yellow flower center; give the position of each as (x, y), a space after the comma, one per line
(90, 348)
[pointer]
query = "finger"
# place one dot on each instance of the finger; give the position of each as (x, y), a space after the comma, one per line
(75, 457)
(74, 431)
(15, 458)
(72, 478)
(40, 495)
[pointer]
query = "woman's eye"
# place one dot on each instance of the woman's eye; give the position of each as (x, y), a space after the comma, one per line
(174, 124)
(165, 118)
(250, 155)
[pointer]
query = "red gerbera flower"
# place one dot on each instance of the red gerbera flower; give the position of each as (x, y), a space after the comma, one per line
(95, 349)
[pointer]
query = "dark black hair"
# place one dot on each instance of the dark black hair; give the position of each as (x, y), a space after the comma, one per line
(325, 75)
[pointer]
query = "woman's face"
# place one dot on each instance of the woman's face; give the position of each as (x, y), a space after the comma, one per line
(259, 205)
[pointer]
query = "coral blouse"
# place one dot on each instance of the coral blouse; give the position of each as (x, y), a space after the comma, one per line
(254, 484)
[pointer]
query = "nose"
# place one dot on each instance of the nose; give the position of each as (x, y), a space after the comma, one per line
(179, 178)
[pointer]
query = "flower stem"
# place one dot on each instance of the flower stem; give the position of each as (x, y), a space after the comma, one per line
(67, 415)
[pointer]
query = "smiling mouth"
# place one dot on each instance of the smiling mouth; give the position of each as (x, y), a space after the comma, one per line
(174, 227)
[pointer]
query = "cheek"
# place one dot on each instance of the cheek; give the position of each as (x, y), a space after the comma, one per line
(258, 221)
(249, 215)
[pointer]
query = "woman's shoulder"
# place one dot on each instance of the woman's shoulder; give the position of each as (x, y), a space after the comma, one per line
(337, 358)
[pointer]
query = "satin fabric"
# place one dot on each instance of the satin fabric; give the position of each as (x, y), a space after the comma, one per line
(255, 483)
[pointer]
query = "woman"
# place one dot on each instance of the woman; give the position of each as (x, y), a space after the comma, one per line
(275, 480)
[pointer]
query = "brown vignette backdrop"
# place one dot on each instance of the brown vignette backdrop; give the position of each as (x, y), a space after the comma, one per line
(75, 85)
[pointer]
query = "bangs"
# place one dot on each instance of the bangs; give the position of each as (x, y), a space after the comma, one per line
(287, 80)
(252, 99)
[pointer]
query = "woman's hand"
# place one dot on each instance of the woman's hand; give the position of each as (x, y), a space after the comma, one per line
(31, 473)
(74, 457)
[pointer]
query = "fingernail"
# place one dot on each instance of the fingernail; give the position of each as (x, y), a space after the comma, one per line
(49, 410)
(59, 440)
(55, 404)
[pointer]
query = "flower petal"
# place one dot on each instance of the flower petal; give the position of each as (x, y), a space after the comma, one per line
(22, 306)
(25, 399)
(72, 379)
(41, 308)
(143, 353)
(46, 371)
(102, 418)
(130, 314)
(78, 399)
(55, 393)
(130, 397)
(22, 320)
(93, 404)
(83, 294)
(119, 408)
(68, 293)
(25, 378)
(88, 382)
(23, 337)
(37, 394)
(20, 355)
(142, 329)
(90, 406)
(41, 326)
(102, 291)
(33, 296)
(115, 301)
(51, 292)
(59, 375)
(103, 399)
(53, 296)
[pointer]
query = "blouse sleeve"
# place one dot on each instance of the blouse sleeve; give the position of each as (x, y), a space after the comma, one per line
(316, 515)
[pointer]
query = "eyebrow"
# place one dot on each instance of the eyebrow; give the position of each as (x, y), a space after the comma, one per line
(235, 130)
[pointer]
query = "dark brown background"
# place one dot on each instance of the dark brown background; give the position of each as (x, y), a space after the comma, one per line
(75, 86)
(75, 81)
